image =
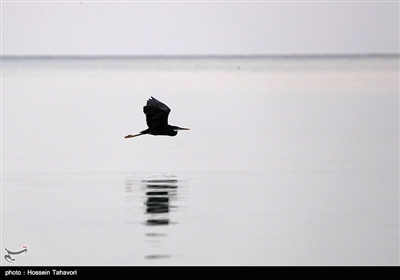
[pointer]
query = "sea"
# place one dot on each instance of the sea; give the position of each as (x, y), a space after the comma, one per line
(289, 161)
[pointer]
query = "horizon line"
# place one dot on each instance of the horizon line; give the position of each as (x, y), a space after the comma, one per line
(171, 56)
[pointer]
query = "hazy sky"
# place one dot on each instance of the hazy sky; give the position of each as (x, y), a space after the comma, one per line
(195, 27)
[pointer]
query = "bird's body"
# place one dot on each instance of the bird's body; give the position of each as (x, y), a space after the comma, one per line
(157, 120)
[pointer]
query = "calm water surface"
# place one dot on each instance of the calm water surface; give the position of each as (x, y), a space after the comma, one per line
(289, 161)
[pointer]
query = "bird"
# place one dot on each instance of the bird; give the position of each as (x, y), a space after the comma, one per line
(157, 120)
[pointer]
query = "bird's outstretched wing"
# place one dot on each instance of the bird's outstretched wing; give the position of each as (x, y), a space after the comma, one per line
(156, 113)
(158, 104)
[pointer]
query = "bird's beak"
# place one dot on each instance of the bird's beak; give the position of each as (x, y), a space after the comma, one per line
(182, 128)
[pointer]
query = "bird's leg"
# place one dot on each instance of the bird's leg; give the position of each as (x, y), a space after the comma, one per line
(130, 135)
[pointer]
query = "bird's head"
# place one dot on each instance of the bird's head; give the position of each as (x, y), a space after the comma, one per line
(175, 130)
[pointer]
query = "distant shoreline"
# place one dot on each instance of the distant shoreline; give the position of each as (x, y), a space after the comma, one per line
(261, 56)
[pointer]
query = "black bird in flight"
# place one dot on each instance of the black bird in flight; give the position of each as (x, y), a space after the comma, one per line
(157, 120)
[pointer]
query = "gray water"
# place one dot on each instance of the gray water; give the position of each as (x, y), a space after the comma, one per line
(289, 161)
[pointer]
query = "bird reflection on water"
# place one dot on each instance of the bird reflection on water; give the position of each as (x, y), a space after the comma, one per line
(159, 196)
